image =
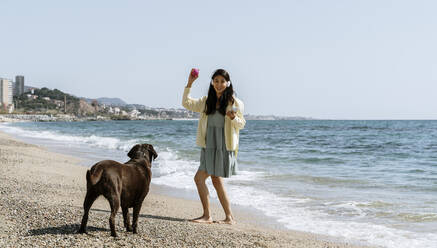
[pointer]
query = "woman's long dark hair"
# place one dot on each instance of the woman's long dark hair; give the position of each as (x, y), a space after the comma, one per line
(226, 97)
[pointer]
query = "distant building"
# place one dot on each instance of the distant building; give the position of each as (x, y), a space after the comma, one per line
(6, 94)
(59, 103)
(134, 113)
(32, 96)
(30, 89)
(19, 85)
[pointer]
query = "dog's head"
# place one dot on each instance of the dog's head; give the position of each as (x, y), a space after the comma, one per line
(145, 151)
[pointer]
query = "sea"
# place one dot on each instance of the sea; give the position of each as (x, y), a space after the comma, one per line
(371, 181)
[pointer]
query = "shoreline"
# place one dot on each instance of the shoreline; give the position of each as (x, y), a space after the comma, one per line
(41, 200)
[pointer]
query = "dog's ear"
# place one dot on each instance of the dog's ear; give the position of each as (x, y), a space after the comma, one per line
(133, 151)
(152, 153)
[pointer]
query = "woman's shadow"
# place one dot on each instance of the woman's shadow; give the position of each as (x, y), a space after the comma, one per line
(72, 228)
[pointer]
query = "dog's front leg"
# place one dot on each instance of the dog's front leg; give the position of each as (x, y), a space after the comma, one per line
(126, 219)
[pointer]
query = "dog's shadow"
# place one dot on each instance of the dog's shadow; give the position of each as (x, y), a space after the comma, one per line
(65, 229)
(149, 216)
(72, 228)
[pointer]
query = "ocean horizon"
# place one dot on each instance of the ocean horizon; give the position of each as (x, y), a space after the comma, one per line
(372, 181)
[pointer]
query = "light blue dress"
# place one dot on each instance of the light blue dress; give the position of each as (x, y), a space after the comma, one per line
(215, 159)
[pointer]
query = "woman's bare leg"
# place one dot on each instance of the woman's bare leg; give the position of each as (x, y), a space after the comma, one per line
(202, 189)
(221, 193)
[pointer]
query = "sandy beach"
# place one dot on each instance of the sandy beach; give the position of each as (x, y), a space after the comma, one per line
(41, 206)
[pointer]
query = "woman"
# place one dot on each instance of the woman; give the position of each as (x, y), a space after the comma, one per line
(221, 118)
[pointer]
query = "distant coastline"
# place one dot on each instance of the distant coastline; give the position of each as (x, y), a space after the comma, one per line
(274, 117)
(71, 118)
(45, 105)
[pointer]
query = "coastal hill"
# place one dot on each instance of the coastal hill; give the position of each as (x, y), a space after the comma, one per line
(110, 101)
(55, 102)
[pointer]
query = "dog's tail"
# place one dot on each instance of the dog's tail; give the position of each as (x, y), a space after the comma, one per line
(93, 176)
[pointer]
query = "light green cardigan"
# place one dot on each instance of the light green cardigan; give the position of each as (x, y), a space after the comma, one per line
(232, 127)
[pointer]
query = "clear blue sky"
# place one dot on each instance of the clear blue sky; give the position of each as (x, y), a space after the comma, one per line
(323, 59)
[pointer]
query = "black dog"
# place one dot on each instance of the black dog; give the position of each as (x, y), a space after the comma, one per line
(121, 184)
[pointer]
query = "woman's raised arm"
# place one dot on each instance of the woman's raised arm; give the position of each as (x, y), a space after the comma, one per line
(196, 105)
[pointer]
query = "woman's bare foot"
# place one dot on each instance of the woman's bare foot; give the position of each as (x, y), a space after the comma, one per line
(228, 220)
(202, 219)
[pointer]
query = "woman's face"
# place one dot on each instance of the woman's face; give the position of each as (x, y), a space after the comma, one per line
(220, 84)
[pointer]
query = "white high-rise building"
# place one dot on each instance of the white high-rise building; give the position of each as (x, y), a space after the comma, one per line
(6, 92)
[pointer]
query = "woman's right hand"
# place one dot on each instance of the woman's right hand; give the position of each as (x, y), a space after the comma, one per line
(192, 78)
